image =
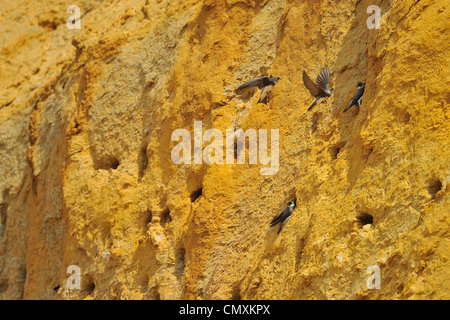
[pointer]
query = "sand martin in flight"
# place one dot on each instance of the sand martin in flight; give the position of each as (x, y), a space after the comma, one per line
(319, 89)
(264, 83)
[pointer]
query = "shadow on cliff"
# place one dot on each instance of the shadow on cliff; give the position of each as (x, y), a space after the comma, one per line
(347, 75)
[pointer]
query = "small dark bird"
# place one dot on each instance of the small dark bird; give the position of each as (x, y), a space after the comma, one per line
(357, 99)
(264, 83)
(319, 89)
(286, 214)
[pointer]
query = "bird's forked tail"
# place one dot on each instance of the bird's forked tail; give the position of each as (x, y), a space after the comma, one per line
(314, 103)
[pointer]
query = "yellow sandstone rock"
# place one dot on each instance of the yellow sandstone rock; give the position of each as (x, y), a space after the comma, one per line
(85, 147)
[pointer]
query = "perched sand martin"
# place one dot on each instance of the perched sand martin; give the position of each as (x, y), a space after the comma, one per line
(319, 89)
(286, 214)
(357, 99)
(264, 83)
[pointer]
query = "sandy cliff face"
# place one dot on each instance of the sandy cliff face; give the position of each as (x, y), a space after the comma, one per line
(85, 146)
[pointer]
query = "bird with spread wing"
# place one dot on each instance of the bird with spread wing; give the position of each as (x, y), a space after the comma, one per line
(265, 83)
(318, 89)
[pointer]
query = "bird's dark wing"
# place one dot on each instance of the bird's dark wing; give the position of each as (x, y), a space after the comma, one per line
(323, 78)
(352, 103)
(279, 229)
(258, 82)
(355, 99)
(276, 220)
(312, 87)
(281, 217)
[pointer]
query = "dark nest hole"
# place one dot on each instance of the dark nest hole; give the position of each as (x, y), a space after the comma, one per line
(49, 24)
(114, 164)
(434, 186)
(107, 164)
(364, 218)
(165, 217)
(90, 287)
(334, 150)
(196, 194)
